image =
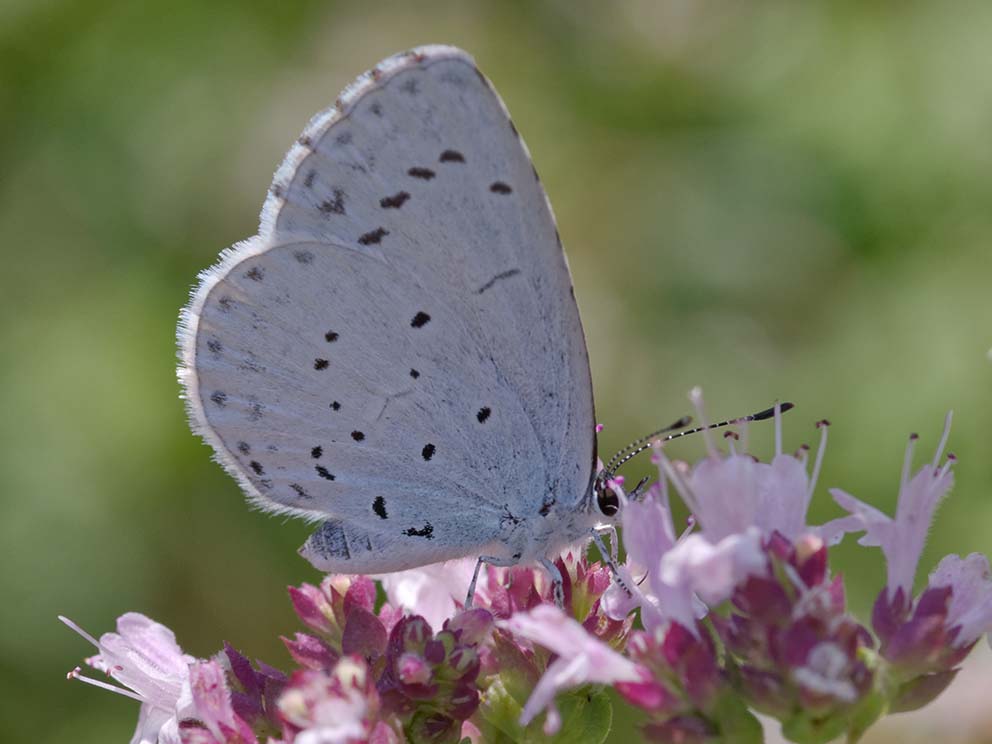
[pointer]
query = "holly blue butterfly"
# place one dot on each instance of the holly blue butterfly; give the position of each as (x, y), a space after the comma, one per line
(398, 353)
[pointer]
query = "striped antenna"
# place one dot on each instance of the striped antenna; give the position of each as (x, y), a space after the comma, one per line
(639, 445)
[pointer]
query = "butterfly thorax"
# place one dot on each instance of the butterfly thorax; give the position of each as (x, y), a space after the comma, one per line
(538, 536)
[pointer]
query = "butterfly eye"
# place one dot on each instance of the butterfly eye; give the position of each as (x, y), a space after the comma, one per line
(607, 501)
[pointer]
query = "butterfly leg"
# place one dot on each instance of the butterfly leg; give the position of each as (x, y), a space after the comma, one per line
(557, 583)
(610, 557)
(492, 561)
(611, 530)
(635, 494)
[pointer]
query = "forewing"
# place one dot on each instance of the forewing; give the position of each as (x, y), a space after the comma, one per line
(399, 348)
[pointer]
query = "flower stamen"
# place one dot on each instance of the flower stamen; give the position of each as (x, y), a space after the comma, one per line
(77, 674)
(822, 426)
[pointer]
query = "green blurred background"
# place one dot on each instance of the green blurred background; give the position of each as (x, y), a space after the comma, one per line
(771, 200)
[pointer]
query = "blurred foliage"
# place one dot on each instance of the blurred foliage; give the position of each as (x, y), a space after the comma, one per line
(771, 200)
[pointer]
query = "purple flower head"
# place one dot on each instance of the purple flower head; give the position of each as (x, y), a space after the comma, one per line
(341, 610)
(792, 640)
(144, 657)
(684, 678)
(901, 537)
(254, 690)
(311, 652)
(431, 680)
(924, 640)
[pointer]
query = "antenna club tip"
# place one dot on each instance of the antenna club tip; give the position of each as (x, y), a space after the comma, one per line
(770, 412)
(913, 437)
(951, 457)
(822, 423)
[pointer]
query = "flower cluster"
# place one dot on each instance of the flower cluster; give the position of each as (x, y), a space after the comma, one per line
(739, 614)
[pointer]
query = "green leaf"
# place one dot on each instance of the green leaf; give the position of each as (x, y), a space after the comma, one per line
(804, 729)
(586, 714)
(865, 714)
(738, 725)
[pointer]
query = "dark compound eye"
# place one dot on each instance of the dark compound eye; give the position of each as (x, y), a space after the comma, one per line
(607, 501)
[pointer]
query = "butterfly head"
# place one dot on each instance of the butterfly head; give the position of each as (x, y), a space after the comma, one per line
(606, 496)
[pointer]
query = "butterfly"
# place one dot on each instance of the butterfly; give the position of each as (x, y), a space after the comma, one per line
(398, 353)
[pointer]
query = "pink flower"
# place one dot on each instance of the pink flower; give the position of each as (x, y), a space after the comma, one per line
(434, 592)
(331, 708)
(970, 610)
(682, 574)
(730, 494)
(648, 535)
(582, 659)
(212, 708)
(144, 657)
(710, 571)
(902, 537)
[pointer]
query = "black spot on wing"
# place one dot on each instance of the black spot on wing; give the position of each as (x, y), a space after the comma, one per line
(379, 507)
(425, 174)
(243, 448)
(395, 201)
(256, 411)
(308, 180)
(219, 398)
(334, 205)
(358, 436)
(420, 320)
(226, 303)
(316, 452)
(428, 451)
(215, 346)
(255, 273)
(499, 277)
(300, 490)
(256, 466)
(452, 156)
(335, 406)
(374, 237)
(324, 473)
(414, 374)
(320, 364)
(483, 414)
(426, 532)
(330, 337)
(304, 257)
(498, 187)
(376, 108)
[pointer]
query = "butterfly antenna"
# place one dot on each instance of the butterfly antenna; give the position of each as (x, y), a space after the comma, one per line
(635, 448)
(675, 425)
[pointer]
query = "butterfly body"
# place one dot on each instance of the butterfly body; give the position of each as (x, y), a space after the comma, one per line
(398, 353)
